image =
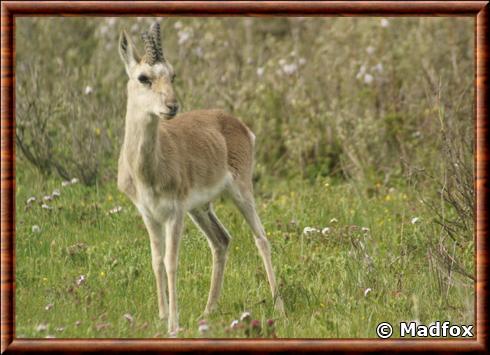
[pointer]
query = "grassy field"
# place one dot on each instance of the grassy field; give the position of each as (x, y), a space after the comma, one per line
(370, 266)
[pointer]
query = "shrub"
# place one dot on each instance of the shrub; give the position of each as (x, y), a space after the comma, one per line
(352, 98)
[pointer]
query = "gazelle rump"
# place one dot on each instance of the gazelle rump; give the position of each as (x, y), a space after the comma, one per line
(172, 166)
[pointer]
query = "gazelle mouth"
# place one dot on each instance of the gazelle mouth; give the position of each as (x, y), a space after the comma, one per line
(167, 115)
(170, 115)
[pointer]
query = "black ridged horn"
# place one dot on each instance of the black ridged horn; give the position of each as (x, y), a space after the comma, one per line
(151, 54)
(155, 34)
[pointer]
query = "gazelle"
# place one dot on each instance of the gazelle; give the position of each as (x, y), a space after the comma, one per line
(170, 166)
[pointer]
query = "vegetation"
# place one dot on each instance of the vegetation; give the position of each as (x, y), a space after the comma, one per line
(364, 175)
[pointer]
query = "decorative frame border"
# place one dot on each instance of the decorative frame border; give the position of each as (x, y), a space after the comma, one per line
(11, 9)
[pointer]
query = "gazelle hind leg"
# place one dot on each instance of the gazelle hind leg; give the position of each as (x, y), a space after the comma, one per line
(243, 198)
(218, 239)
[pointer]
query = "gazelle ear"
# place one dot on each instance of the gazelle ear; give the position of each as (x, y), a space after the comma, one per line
(127, 51)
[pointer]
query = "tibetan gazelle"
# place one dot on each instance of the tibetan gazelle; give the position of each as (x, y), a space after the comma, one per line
(172, 165)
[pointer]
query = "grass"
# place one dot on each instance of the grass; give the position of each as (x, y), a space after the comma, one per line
(371, 267)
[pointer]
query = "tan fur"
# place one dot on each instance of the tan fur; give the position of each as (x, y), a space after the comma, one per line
(196, 150)
(172, 166)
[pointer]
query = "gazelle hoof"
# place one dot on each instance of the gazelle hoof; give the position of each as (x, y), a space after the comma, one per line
(207, 312)
(279, 306)
(172, 334)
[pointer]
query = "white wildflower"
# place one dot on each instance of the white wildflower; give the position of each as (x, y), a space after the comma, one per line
(415, 220)
(56, 193)
(49, 306)
(378, 67)
(48, 198)
(333, 220)
(368, 78)
(325, 230)
(116, 209)
(36, 229)
(290, 69)
(361, 72)
(184, 36)
(260, 71)
(128, 317)
(282, 62)
(46, 207)
(244, 316)
(42, 327)
(365, 229)
(81, 280)
(88, 90)
(49, 336)
(203, 327)
(366, 291)
(301, 61)
(30, 200)
(370, 50)
(234, 324)
(74, 181)
(309, 230)
(60, 329)
(385, 22)
(65, 183)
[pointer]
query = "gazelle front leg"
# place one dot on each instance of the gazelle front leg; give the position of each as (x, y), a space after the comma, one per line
(173, 232)
(155, 231)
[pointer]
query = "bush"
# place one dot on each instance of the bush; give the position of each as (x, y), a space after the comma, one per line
(62, 124)
(345, 97)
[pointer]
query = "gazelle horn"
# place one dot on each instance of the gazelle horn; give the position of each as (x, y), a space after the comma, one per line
(151, 53)
(155, 34)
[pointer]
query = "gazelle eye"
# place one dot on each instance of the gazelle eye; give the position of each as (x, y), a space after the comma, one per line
(143, 79)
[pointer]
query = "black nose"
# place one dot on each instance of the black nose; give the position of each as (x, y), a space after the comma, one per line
(173, 108)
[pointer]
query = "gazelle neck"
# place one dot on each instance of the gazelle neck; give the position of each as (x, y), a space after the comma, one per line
(141, 143)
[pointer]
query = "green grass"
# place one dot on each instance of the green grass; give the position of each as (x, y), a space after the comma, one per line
(323, 278)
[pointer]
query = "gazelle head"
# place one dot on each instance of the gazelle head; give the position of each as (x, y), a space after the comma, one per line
(150, 78)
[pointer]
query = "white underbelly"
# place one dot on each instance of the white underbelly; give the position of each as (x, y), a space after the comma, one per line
(159, 208)
(200, 197)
